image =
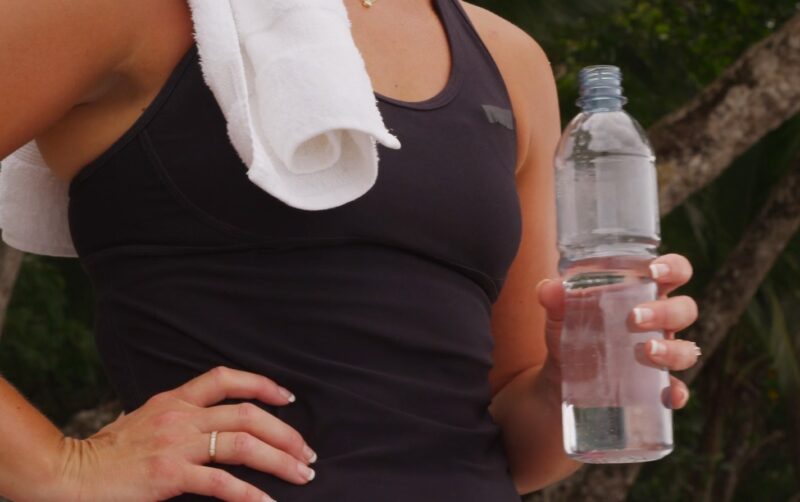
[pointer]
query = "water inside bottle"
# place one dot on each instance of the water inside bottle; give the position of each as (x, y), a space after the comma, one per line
(613, 398)
(606, 189)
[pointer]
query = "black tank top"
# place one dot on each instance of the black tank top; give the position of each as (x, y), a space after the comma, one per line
(376, 314)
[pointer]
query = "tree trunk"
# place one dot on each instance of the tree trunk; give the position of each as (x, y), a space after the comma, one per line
(720, 394)
(745, 458)
(794, 433)
(735, 283)
(758, 93)
(10, 261)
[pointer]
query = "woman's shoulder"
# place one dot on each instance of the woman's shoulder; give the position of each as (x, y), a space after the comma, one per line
(520, 58)
(100, 62)
(504, 34)
(59, 55)
(526, 71)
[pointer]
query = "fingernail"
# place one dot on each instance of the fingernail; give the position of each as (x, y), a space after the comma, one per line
(657, 348)
(310, 455)
(540, 283)
(267, 498)
(306, 471)
(659, 270)
(683, 397)
(697, 350)
(643, 314)
(285, 393)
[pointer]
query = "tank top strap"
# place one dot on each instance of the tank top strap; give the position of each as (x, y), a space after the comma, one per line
(457, 36)
(467, 46)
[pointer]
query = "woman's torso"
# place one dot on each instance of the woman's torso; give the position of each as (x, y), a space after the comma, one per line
(376, 313)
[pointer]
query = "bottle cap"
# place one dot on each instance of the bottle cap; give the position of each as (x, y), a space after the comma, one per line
(600, 83)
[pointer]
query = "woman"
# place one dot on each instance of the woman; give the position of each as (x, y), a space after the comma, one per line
(383, 316)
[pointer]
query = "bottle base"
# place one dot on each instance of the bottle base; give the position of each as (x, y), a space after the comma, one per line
(629, 456)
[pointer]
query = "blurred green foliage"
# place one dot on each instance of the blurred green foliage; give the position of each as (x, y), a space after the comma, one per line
(47, 350)
(668, 49)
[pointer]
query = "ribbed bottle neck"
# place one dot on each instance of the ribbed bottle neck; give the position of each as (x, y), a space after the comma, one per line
(601, 89)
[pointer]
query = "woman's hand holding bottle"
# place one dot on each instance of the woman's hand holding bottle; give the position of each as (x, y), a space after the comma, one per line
(669, 314)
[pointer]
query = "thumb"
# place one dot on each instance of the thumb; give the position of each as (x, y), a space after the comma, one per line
(551, 296)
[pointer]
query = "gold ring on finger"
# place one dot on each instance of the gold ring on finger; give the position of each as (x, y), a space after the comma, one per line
(212, 447)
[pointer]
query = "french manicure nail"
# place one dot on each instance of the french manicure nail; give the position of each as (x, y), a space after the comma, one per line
(306, 471)
(285, 393)
(643, 314)
(683, 396)
(697, 350)
(657, 348)
(310, 455)
(659, 270)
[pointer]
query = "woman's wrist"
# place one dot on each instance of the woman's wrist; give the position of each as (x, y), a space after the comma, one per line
(58, 479)
(528, 411)
(537, 388)
(41, 476)
(66, 478)
(30, 449)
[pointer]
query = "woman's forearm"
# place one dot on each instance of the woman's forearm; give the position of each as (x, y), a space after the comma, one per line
(529, 414)
(29, 446)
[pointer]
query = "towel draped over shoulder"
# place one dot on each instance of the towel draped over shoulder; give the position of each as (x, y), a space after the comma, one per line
(297, 99)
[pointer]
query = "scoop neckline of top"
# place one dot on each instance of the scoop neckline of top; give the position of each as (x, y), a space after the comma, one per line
(444, 96)
(451, 87)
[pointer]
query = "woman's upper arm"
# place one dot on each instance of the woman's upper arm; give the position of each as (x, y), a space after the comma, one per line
(517, 318)
(54, 54)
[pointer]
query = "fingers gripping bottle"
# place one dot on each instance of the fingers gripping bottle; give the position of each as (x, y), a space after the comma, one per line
(613, 398)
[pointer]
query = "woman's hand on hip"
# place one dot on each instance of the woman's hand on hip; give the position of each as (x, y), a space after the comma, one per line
(669, 314)
(159, 450)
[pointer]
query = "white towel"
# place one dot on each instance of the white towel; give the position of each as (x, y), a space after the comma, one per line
(297, 100)
(33, 205)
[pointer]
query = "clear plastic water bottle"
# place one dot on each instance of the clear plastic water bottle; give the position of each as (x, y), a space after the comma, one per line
(613, 398)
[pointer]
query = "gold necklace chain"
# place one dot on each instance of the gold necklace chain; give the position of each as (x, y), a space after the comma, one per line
(368, 3)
